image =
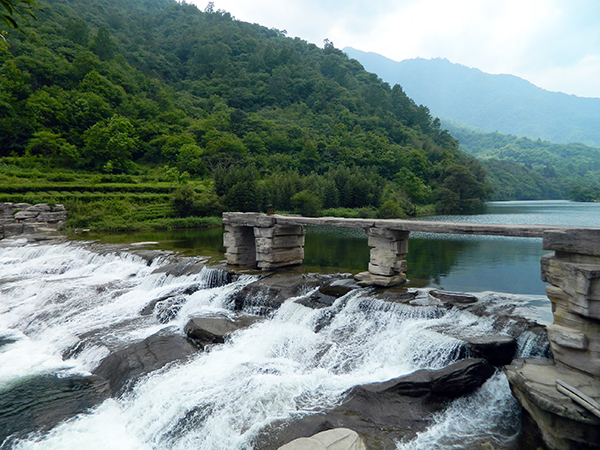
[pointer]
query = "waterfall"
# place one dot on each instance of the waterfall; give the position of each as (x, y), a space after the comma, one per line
(63, 308)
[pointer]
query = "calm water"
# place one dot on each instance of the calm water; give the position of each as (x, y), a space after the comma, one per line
(452, 262)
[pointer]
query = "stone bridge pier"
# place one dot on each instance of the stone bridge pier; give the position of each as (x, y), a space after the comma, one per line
(264, 242)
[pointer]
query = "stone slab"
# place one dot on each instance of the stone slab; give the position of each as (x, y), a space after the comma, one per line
(368, 279)
(240, 259)
(290, 241)
(382, 270)
(281, 255)
(275, 265)
(279, 230)
(398, 247)
(396, 235)
(580, 281)
(249, 219)
(384, 257)
(567, 337)
(580, 240)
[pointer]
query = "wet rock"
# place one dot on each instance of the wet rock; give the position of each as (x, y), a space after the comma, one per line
(181, 267)
(267, 294)
(126, 365)
(338, 288)
(214, 329)
(384, 413)
(564, 424)
(403, 296)
(453, 298)
(450, 382)
(39, 403)
(336, 439)
(498, 350)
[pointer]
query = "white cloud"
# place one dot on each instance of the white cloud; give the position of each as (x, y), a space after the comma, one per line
(553, 43)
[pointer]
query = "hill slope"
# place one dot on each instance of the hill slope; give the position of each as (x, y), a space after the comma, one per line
(503, 103)
(140, 87)
(523, 169)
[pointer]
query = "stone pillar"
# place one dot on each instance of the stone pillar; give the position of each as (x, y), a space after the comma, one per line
(240, 248)
(279, 246)
(387, 264)
(574, 274)
(563, 395)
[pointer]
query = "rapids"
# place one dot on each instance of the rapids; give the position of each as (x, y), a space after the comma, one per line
(65, 306)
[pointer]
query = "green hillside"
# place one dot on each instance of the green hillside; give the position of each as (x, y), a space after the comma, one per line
(503, 103)
(235, 116)
(525, 169)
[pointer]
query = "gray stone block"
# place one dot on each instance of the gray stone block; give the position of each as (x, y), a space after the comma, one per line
(368, 279)
(281, 255)
(386, 244)
(579, 240)
(395, 235)
(567, 337)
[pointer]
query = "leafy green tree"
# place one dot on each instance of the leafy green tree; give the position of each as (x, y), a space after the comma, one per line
(306, 203)
(53, 147)
(109, 145)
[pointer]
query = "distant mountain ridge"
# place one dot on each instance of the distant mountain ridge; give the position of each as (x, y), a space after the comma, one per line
(503, 103)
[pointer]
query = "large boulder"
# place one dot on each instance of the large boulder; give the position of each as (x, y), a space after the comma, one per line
(214, 328)
(336, 439)
(126, 365)
(387, 412)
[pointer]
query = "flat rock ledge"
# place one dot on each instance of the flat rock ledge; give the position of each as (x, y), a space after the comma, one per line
(25, 218)
(336, 439)
(564, 424)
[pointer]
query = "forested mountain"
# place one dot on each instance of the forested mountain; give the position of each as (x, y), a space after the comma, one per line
(525, 169)
(502, 103)
(136, 86)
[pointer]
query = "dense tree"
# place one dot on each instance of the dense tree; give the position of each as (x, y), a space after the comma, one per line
(135, 84)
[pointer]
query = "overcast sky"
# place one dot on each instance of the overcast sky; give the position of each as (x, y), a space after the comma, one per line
(555, 44)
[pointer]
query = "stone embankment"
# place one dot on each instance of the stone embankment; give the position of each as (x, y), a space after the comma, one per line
(24, 218)
(563, 395)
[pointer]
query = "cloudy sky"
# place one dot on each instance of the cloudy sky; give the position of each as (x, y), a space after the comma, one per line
(555, 44)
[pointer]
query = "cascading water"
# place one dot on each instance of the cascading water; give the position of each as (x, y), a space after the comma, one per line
(63, 308)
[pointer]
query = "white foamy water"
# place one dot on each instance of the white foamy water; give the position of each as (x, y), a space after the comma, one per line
(54, 298)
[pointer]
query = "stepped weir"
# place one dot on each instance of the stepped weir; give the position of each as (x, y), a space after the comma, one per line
(561, 394)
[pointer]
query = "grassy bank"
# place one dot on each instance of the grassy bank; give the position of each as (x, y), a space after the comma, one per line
(117, 203)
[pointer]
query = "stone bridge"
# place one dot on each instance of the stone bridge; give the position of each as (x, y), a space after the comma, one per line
(561, 394)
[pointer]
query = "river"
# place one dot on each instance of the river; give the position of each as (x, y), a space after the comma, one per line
(58, 297)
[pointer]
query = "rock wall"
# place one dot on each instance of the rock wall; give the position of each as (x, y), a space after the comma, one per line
(567, 421)
(24, 218)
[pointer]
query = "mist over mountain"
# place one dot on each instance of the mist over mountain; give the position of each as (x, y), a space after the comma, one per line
(503, 103)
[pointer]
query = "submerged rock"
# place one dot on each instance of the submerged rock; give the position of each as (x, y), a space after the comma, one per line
(39, 403)
(126, 365)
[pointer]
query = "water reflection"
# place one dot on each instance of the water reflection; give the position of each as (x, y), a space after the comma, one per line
(453, 262)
